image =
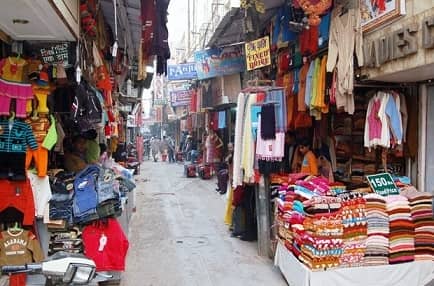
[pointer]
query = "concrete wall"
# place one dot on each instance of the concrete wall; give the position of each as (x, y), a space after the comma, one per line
(417, 66)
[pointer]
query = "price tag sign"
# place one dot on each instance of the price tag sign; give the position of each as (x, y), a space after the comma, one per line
(383, 184)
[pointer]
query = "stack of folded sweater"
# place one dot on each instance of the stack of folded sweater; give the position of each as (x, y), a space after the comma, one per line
(355, 229)
(377, 243)
(320, 238)
(422, 215)
(401, 239)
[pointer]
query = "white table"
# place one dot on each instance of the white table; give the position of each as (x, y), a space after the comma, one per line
(418, 273)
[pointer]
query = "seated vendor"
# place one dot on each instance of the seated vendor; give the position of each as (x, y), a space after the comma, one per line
(309, 164)
(92, 155)
(75, 158)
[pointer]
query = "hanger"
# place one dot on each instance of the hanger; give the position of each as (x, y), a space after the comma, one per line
(15, 228)
(35, 114)
(12, 117)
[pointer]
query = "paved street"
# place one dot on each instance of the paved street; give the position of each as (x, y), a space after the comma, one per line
(177, 236)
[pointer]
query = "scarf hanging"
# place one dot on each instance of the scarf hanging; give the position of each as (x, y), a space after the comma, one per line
(237, 171)
(268, 122)
(277, 96)
(222, 119)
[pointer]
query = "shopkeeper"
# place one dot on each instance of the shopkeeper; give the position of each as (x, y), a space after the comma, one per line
(75, 158)
(309, 164)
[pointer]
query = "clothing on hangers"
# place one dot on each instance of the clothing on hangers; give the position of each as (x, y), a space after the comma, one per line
(345, 40)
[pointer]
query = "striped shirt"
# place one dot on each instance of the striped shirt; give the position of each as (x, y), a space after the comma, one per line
(15, 136)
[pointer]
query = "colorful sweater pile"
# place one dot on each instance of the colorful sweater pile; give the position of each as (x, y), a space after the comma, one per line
(377, 243)
(320, 239)
(422, 214)
(401, 240)
(355, 229)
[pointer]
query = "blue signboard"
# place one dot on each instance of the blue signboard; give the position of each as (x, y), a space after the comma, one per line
(220, 61)
(182, 71)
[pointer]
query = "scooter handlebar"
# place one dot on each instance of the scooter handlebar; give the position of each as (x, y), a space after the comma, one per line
(13, 269)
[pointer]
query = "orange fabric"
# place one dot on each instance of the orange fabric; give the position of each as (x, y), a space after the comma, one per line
(309, 165)
(40, 157)
(302, 87)
(302, 120)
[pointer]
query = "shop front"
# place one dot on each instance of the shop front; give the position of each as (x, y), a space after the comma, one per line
(65, 181)
(333, 146)
(402, 55)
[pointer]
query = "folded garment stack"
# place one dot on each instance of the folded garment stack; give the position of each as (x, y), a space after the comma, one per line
(355, 229)
(422, 214)
(320, 239)
(401, 240)
(377, 243)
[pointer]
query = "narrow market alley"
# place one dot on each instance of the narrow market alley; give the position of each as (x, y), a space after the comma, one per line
(178, 237)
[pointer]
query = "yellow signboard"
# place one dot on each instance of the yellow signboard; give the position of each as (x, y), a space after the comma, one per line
(258, 53)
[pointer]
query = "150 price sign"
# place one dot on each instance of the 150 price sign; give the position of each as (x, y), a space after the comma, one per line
(383, 184)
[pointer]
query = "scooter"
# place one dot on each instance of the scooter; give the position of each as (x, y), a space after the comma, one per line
(61, 268)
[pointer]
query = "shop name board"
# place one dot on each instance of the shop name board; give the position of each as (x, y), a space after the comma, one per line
(58, 53)
(258, 53)
(400, 43)
(182, 71)
(383, 184)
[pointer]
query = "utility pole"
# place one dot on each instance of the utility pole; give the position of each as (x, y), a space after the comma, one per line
(188, 29)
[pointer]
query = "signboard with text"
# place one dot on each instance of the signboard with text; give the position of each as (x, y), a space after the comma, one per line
(219, 61)
(57, 53)
(182, 71)
(383, 184)
(180, 97)
(258, 53)
(159, 90)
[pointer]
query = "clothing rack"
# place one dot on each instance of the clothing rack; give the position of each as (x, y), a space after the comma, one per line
(256, 82)
(385, 86)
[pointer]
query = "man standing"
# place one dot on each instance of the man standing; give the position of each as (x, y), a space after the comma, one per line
(155, 148)
(171, 149)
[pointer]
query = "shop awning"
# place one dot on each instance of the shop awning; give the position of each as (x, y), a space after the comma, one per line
(38, 20)
(230, 30)
(129, 23)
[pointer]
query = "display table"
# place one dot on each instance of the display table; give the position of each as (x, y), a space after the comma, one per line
(418, 273)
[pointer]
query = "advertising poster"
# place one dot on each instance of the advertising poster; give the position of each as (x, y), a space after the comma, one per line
(219, 61)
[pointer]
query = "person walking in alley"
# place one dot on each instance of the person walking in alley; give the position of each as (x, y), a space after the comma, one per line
(169, 145)
(155, 148)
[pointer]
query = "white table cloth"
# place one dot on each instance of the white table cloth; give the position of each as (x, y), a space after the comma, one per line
(417, 273)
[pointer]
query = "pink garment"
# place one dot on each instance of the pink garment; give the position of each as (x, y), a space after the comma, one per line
(20, 107)
(270, 150)
(375, 125)
(15, 89)
(5, 103)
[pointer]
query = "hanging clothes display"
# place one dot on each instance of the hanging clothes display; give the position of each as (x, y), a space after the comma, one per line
(271, 149)
(237, 179)
(247, 155)
(13, 86)
(384, 120)
(345, 40)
